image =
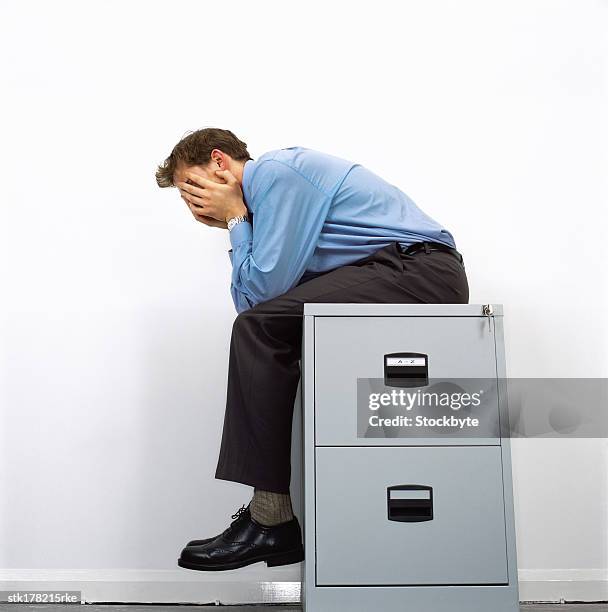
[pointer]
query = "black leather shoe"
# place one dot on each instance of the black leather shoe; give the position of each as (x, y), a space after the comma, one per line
(244, 542)
(238, 515)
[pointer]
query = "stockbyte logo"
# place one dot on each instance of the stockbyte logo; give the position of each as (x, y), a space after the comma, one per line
(426, 399)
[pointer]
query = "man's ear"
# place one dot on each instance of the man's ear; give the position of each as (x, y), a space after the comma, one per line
(218, 159)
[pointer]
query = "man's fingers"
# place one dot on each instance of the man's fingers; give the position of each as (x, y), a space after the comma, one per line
(192, 189)
(198, 213)
(204, 220)
(209, 221)
(199, 201)
(197, 210)
(201, 181)
(228, 177)
(204, 210)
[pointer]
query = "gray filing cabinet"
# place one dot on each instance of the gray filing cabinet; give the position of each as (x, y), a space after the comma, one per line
(451, 550)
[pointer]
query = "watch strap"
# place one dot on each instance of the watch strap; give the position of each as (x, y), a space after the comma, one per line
(234, 220)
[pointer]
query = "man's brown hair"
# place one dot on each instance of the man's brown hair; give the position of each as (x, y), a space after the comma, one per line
(195, 149)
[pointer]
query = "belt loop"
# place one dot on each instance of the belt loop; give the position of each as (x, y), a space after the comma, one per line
(427, 249)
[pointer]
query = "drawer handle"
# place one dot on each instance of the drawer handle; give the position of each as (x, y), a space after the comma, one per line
(409, 503)
(406, 369)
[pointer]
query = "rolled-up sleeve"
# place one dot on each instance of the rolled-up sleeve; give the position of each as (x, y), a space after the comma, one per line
(269, 257)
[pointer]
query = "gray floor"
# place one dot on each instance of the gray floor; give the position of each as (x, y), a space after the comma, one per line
(602, 607)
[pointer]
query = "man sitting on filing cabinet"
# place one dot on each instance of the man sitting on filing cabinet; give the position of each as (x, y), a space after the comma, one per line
(304, 226)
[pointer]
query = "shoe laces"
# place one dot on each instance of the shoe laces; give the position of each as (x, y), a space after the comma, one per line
(237, 515)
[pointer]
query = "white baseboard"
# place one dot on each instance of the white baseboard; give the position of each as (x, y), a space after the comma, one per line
(242, 586)
(251, 585)
(557, 585)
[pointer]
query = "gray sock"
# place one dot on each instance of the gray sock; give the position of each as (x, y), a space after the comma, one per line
(269, 508)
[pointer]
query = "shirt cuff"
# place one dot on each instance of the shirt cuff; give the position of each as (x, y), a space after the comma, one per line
(241, 232)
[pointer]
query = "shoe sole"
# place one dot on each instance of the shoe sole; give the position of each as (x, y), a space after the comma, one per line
(294, 556)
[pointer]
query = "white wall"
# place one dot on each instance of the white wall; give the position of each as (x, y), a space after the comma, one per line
(116, 314)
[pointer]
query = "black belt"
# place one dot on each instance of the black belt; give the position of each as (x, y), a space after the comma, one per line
(431, 246)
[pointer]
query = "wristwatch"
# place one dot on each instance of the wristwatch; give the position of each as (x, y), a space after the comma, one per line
(232, 222)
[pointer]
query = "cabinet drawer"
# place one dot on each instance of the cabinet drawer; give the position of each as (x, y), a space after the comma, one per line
(351, 348)
(457, 539)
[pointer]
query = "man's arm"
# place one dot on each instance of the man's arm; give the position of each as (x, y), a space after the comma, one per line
(240, 301)
(269, 258)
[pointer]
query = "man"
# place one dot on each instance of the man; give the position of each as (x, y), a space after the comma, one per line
(304, 227)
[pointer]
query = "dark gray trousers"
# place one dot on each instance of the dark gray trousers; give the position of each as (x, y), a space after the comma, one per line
(266, 345)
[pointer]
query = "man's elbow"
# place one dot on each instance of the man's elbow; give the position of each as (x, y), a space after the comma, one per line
(264, 289)
(241, 301)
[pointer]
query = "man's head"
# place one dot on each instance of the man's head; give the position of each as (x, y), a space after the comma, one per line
(204, 152)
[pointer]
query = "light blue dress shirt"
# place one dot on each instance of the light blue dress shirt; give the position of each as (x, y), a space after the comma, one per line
(313, 212)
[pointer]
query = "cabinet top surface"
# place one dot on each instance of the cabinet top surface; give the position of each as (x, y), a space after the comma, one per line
(400, 310)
